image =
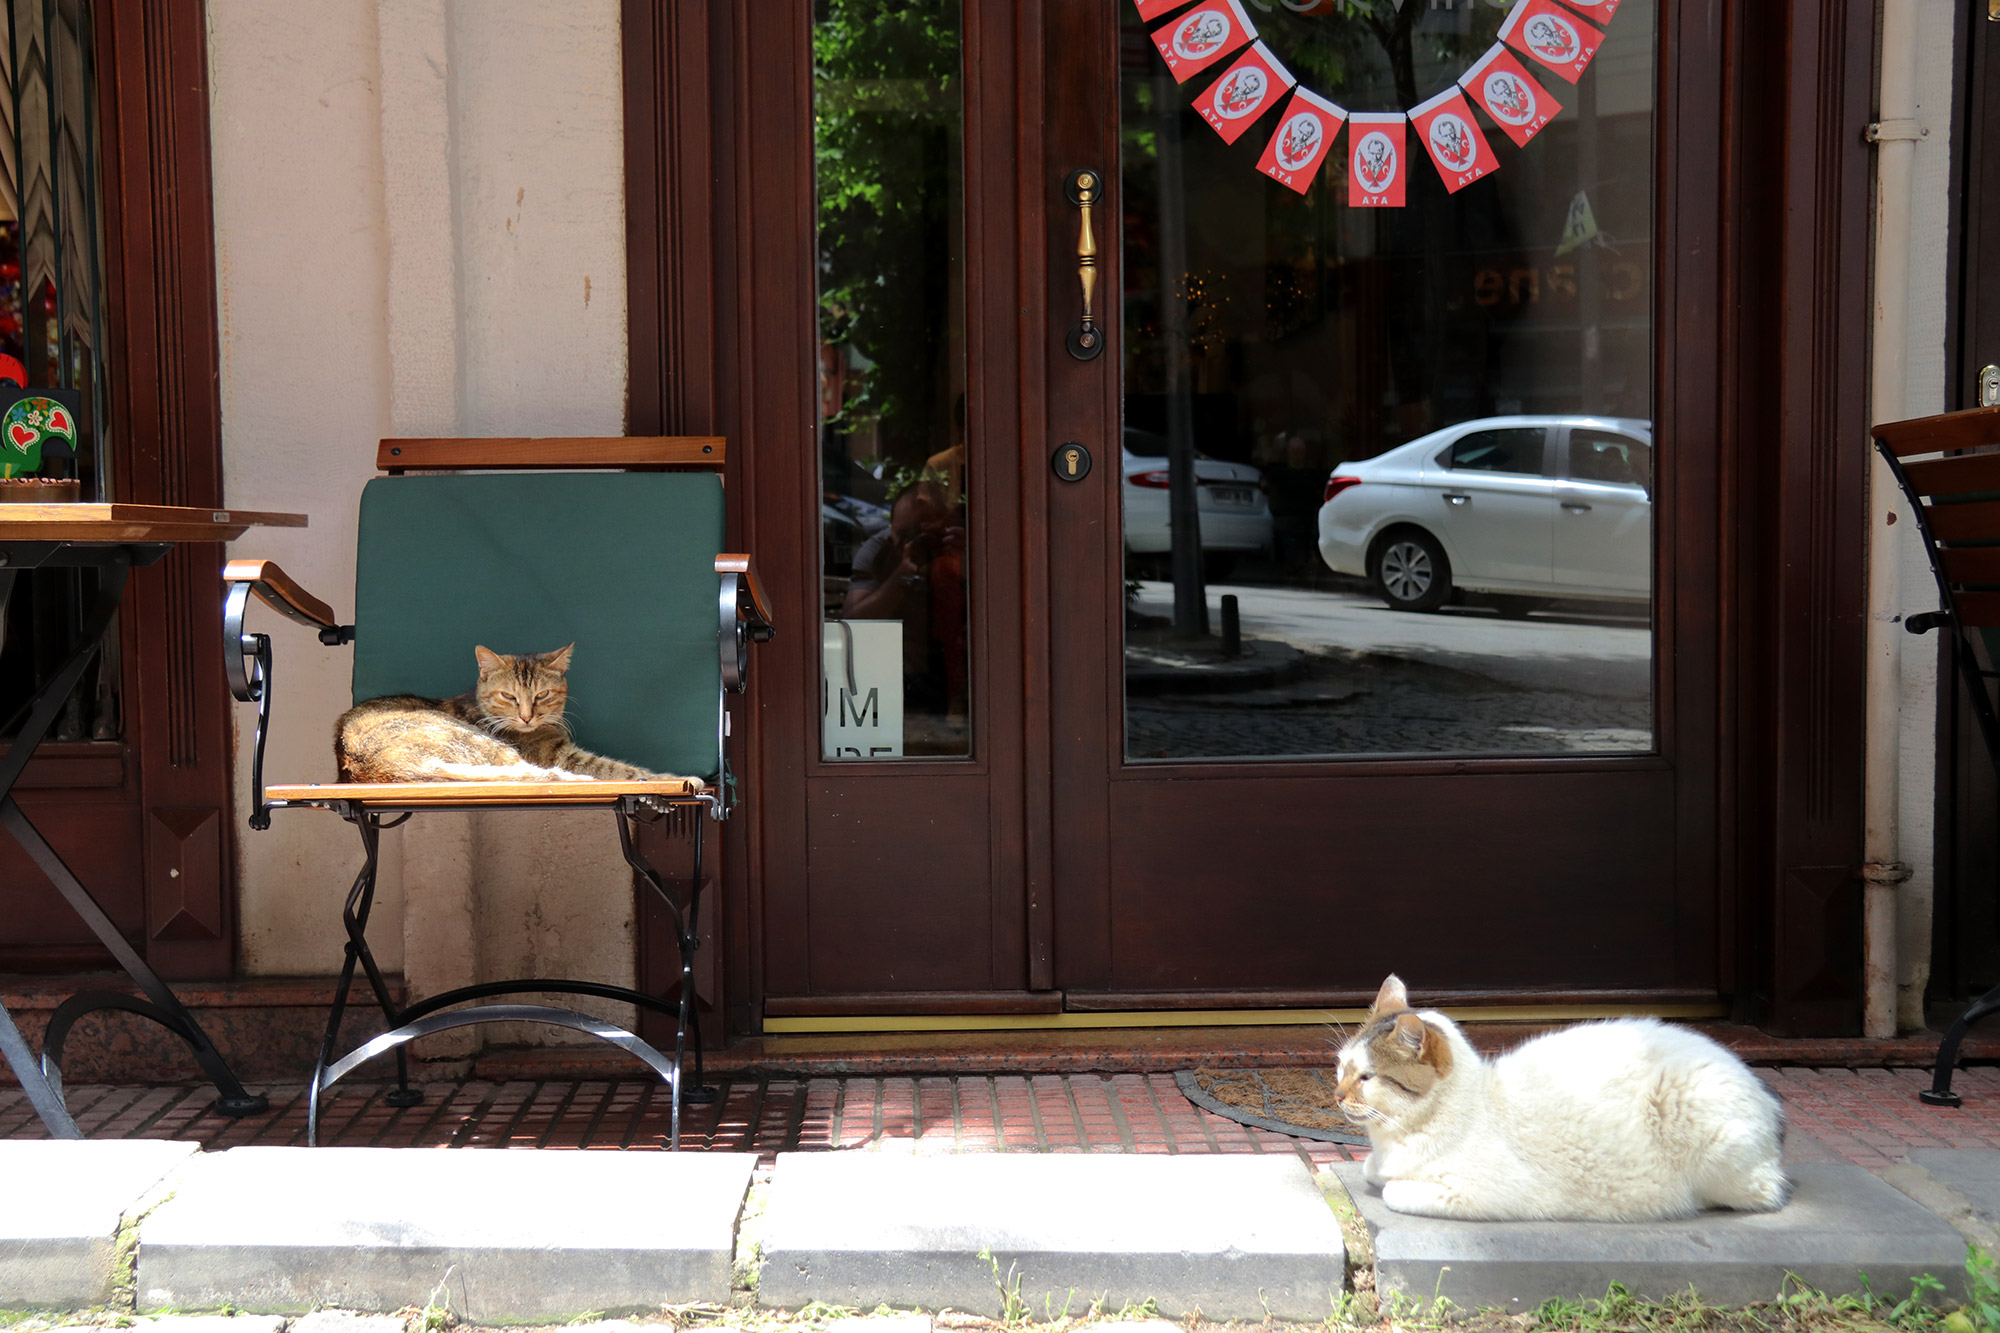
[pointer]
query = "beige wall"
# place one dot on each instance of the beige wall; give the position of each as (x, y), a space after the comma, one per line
(1925, 392)
(420, 230)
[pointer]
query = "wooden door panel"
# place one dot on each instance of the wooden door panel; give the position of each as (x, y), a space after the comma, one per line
(1328, 884)
(97, 835)
(901, 894)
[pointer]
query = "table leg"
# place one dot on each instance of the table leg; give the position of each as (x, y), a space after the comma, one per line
(234, 1099)
(48, 704)
(28, 1070)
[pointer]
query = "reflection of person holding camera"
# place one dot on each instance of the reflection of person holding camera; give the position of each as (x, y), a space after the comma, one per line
(914, 570)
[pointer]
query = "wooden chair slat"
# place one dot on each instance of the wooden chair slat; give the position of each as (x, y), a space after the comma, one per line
(617, 451)
(1978, 521)
(1979, 610)
(1967, 474)
(1971, 564)
(460, 793)
(1951, 430)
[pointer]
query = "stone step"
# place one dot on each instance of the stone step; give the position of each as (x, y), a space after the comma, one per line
(65, 1200)
(1229, 1237)
(1840, 1224)
(495, 1236)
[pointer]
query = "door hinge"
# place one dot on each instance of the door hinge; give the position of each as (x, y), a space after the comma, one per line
(1887, 131)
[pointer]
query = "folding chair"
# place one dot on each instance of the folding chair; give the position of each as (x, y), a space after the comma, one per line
(1949, 467)
(550, 548)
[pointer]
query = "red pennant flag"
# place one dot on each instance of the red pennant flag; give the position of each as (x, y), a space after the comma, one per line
(1375, 159)
(1233, 103)
(1152, 9)
(1518, 105)
(1202, 37)
(1598, 11)
(1544, 30)
(1446, 127)
(1305, 134)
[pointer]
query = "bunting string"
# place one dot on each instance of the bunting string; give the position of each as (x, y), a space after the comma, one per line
(1554, 34)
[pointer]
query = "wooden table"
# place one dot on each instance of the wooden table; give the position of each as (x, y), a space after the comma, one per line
(112, 539)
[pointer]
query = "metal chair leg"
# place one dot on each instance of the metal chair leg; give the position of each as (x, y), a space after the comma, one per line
(1939, 1093)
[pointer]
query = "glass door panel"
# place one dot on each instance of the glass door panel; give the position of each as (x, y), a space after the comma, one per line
(889, 164)
(1368, 487)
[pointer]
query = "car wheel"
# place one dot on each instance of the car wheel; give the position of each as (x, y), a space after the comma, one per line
(1410, 571)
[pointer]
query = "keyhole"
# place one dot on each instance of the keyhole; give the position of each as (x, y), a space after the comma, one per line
(1069, 457)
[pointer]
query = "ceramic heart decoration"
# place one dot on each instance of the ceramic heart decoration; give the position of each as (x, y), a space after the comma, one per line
(21, 437)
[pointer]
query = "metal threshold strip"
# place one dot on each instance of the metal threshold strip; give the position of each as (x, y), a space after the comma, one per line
(1217, 1018)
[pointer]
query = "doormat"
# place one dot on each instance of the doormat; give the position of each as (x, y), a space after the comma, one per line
(1299, 1102)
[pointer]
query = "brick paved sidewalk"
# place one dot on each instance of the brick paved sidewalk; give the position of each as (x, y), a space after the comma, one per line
(1868, 1116)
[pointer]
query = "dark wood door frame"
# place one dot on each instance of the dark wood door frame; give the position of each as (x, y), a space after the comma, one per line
(149, 822)
(1796, 311)
(1770, 218)
(1965, 953)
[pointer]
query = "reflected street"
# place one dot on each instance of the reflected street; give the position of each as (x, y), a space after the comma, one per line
(1348, 675)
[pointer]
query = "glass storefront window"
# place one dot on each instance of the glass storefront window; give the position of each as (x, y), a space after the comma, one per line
(1414, 444)
(51, 321)
(895, 503)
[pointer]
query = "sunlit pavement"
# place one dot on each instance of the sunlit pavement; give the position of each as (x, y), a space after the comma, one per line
(1566, 647)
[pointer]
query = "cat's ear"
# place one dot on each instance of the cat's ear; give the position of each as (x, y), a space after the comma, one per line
(1422, 1042)
(489, 661)
(1436, 1051)
(559, 659)
(1391, 999)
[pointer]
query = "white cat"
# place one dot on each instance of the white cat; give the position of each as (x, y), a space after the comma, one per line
(1622, 1121)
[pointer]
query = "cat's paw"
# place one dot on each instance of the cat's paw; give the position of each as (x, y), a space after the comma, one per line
(1371, 1169)
(1421, 1198)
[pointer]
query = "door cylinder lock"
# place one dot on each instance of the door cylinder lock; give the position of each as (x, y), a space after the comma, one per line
(1071, 461)
(1989, 386)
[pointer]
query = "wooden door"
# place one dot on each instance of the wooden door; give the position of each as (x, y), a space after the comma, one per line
(1300, 879)
(1076, 849)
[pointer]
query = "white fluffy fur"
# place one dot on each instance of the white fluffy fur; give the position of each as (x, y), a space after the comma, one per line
(1627, 1120)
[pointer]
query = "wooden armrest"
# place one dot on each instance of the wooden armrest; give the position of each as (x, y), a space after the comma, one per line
(740, 564)
(280, 593)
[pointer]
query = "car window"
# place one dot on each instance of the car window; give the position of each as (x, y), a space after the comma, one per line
(1602, 455)
(1518, 449)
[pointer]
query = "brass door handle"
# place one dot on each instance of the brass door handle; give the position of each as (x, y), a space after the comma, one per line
(1085, 188)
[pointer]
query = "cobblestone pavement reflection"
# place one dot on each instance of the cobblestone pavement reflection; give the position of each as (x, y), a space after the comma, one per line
(1371, 681)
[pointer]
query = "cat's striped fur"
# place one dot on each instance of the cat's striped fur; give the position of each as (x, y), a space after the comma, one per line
(507, 728)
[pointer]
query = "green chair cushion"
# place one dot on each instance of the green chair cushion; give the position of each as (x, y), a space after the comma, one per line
(620, 563)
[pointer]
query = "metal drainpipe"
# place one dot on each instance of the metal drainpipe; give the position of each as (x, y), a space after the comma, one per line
(1896, 135)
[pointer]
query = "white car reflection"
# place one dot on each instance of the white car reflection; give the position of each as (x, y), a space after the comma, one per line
(1235, 515)
(1527, 507)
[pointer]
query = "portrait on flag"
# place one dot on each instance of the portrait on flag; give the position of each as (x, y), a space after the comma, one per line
(1246, 90)
(1448, 133)
(1203, 37)
(1375, 159)
(1552, 36)
(1303, 141)
(1509, 94)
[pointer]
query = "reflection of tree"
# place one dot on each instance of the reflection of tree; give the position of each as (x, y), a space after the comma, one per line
(886, 152)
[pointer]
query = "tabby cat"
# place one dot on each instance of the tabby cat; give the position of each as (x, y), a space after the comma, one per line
(1623, 1121)
(507, 728)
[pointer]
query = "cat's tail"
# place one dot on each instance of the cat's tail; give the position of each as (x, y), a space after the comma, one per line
(586, 764)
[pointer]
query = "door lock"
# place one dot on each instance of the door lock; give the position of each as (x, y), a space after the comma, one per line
(1989, 386)
(1071, 461)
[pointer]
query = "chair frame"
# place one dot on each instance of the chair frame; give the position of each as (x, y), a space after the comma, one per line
(1949, 434)
(743, 618)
